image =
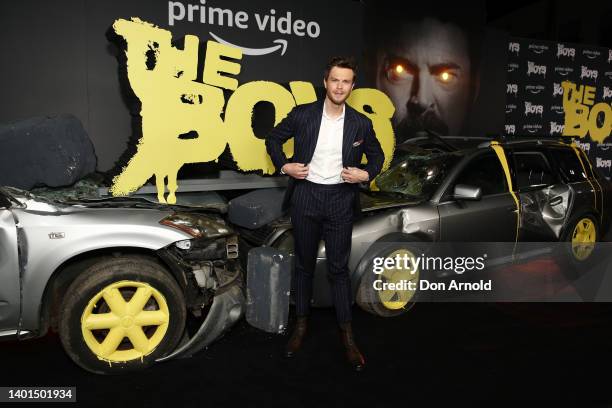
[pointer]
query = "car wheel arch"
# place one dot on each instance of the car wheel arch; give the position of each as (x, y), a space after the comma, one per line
(64, 274)
(585, 212)
(362, 265)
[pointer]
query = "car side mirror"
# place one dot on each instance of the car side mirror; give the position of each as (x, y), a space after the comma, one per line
(468, 193)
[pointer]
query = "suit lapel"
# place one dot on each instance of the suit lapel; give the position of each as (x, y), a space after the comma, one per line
(349, 132)
(312, 130)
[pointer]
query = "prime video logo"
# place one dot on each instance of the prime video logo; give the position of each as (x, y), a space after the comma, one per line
(224, 17)
(591, 54)
(558, 109)
(512, 67)
(564, 71)
(538, 48)
(532, 128)
(535, 89)
(206, 14)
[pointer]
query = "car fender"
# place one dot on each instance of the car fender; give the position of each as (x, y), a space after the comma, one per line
(48, 246)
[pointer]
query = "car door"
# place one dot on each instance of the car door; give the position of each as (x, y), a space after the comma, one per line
(9, 271)
(492, 218)
(545, 199)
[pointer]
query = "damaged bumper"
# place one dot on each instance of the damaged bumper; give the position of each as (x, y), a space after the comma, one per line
(227, 308)
(213, 285)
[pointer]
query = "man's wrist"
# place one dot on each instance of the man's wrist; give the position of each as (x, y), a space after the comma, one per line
(367, 177)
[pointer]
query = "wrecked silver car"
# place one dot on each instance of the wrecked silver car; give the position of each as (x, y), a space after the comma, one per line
(117, 278)
(523, 191)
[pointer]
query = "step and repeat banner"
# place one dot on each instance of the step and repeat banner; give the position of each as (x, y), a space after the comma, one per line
(561, 90)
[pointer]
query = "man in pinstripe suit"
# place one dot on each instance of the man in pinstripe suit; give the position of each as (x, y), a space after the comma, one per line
(330, 139)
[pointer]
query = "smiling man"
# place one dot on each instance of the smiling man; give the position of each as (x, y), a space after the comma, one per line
(330, 139)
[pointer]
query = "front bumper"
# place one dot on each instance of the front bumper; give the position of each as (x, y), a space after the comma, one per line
(227, 308)
(212, 279)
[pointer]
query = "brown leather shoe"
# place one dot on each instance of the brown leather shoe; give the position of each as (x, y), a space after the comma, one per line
(295, 342)
(353, 355)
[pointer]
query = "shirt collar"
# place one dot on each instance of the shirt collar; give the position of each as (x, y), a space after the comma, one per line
(341, 117)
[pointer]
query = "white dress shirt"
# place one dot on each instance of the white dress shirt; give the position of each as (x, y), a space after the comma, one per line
(326, 164)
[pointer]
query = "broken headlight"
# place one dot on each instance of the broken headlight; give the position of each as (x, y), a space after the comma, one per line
(197, 225)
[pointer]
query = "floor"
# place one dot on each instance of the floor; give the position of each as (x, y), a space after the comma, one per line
(438, 353)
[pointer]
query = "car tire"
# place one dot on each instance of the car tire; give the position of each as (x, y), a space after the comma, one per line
(580, 244)
(389, 303)
(121, 314)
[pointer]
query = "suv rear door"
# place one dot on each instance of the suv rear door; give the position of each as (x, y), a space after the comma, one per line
(544, 196)
(576, 173)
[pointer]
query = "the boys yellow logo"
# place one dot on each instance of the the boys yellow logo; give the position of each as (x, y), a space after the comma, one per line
(583, 115)
(174, 103)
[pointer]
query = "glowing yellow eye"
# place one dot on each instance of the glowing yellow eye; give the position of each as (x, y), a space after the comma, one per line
(445, 76)
(399, 69)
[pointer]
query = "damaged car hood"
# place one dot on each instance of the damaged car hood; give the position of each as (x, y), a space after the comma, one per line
(373, 201)
(40, 203)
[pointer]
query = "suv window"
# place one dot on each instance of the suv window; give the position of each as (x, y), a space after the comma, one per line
(569, 164)
(532, 169)
(485, 172)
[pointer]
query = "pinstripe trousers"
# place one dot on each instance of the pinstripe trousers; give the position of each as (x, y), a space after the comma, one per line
(320, 211)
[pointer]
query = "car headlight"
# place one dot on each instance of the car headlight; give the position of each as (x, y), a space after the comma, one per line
(197, 225)
(184, 244)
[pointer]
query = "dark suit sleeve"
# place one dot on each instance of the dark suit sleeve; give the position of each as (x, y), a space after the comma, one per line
(373, 152)
(277, 137)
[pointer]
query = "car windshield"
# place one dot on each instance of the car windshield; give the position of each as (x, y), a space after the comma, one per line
(417, 172)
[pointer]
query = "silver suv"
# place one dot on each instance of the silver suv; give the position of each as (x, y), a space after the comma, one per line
(117, 278)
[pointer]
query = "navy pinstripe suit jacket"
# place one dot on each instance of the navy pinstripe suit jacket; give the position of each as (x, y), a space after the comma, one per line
(303, 124)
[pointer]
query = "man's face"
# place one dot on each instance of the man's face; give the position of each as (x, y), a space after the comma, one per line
(426, 73)
(339, 84)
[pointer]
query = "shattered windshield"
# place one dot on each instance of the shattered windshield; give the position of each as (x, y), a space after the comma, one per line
(8, 194)
(417, 172)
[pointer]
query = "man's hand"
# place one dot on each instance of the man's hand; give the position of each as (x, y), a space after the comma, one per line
(296, 170)
(354, 175)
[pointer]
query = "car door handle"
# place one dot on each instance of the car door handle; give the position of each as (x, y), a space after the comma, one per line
(555, 200)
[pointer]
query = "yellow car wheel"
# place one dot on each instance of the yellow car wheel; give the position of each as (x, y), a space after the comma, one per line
(390, 289)
(390, 296)
(121, 315)
(577, 252)
(583, 238)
